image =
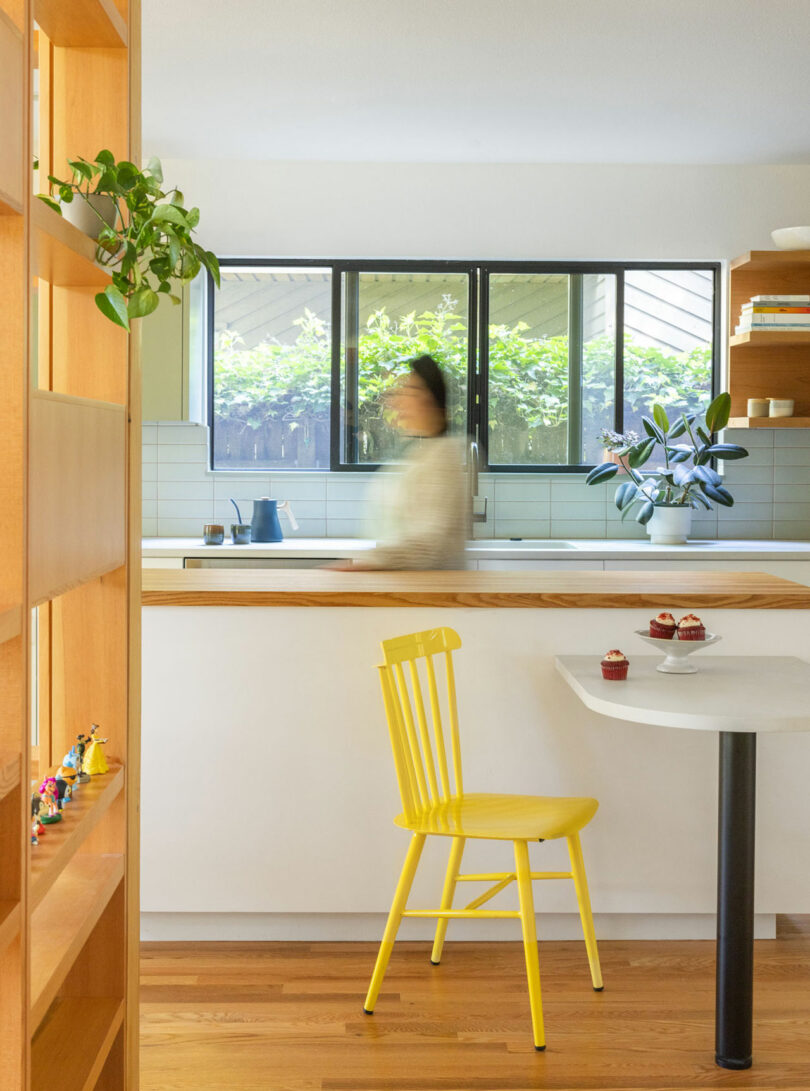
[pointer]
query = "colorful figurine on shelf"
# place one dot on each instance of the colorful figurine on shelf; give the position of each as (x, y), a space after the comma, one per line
(81, 749)
(65, 780)
(94, 763)
(34, 838)
(36, 809)
(49, 797)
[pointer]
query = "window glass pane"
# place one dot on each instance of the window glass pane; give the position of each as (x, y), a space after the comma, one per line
(551, 367)
(272, 367)
(388, 319)
(667, 341)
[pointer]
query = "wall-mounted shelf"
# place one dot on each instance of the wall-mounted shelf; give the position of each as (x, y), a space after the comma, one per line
(62, 923)
(9, 206)
(57, 848)
(74, 1041)
(769, 422)
(62, 254)
(10, 917)
(9, 773)
(82, 23)
(771, 262)
(770, 339)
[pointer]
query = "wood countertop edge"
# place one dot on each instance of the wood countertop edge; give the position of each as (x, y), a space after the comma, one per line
(602, 600)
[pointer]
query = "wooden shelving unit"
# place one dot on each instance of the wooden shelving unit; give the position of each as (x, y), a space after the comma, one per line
(69, 531)
(768, 363)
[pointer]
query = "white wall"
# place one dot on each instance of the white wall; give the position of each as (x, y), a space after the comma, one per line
(531, 211)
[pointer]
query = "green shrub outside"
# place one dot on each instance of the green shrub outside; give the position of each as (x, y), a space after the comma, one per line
(286, 388)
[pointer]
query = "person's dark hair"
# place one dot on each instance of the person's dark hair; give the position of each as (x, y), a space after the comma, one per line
(431, 375)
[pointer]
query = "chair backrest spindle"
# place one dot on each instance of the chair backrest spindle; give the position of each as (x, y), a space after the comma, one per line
(411, 741)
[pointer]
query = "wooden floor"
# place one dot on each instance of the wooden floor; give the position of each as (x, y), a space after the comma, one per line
(288, 1017)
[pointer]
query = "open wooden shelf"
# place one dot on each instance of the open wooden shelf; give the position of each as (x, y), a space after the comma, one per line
(59, 844)
(770, 338)
(63, 255)
(11, 119)
(10, 622)
(62, 923)
(9, 206)
(10, 918)
(769, 422)
(10, 765)
(71, 1046)
(769, 261)
(81, 22)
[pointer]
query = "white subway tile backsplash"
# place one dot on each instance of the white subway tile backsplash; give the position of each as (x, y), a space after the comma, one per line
(302, 509)
(348, 486)
(522, 528)
(148, 490)
(181, 528)
(345, 528)
(791, 456)
(183, 452)
(578, 509)
(519, 509)
(791, 437)
(149, 434)
(745, 513)
(744, 474)
(187, 509)
(307, 528)
(748, 437)
(186, 490)
(792, 509)
(518, 487)
(149, 453)
(182, 433)
(791, 529)
(182, 471)
(578, 528)
(744, 530)
(149, 509)
(150, 471)
(240, 488)
(149, 529)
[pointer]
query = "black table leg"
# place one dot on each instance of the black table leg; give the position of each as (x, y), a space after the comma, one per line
(735, 899)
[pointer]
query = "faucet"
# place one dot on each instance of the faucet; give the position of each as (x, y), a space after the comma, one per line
(473, 463)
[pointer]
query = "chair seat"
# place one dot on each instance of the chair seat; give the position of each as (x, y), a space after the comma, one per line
(504, 817)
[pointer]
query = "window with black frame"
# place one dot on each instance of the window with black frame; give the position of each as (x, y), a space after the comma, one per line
(541, 360)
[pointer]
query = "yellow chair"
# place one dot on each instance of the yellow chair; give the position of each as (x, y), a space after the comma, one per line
(431, 808)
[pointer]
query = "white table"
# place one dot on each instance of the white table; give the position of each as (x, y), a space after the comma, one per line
(736, 697)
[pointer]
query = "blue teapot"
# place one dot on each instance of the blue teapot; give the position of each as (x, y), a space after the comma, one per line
(265, 526)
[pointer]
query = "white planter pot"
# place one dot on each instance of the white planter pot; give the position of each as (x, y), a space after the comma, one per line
(80, 212)
(670, 525)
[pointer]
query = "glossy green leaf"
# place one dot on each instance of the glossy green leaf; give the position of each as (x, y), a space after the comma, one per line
(49, 201)
(718, 412)
(640, 453)
(112, 305)
(601, 473)
(728, 451)
(142, 302)
(645, 513)
(652, 429)
(625, 494)
(718, 494)
(660, 417)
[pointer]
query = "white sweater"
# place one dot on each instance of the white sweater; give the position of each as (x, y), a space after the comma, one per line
(418, 510)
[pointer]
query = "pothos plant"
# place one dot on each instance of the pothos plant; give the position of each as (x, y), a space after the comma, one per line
(686, 478)
(146, 242)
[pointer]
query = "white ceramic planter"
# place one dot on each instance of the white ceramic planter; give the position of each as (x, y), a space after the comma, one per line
(84, 212)
(670, 525)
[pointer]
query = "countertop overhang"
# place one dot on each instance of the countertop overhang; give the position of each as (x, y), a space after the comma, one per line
(510, 590)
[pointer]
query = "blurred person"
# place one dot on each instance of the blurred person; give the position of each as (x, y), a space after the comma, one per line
(418, 514)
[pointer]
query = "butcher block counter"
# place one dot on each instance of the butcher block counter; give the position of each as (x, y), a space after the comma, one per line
(268, 783)
(494, 590)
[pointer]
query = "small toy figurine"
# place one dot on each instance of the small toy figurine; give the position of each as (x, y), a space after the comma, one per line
(49, 797)
(36, 805)
(65, 779)
(34, 838)
(80, 748)
(94, 762)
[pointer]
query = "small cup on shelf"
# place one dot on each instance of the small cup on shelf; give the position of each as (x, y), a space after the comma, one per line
(213, 534)
(780, 407)
(240, 533)
(759, 407)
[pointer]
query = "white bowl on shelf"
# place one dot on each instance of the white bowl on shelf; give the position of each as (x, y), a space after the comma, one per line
(676, 651)
(791, 238)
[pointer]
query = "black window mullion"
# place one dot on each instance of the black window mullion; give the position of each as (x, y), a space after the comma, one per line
(618, 375)
(473, 349)
(575, 339)
(482, 386)
(335, 415)
(352, 370)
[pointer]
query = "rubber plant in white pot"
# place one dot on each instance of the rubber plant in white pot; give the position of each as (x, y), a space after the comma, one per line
(665, 497)
(143, 233)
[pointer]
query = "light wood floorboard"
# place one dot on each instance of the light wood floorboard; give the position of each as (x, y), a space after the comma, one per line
(288, 1017)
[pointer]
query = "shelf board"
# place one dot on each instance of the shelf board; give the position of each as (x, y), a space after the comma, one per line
(769, 422)
(770, 338)
(10, 622)
(763, 261)
(62, 254)
(58, 846)
(9, 206)
(81, 23)
(70, 1048)
(10, 765)
(62, 923)
(9, 923)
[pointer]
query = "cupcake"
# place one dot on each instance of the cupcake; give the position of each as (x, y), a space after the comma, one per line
(690, 627)
(662, 626)
(614, 666)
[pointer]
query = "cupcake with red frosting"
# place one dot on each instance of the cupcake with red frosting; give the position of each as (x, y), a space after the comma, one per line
(663, 626)
(690, 627)
(614, 666)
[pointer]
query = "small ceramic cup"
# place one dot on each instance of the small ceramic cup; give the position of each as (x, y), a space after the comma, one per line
(781, 407)
(213, 534)
(759, 407)
(240, 533)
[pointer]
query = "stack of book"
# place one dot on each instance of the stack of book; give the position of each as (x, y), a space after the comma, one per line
(775, 312)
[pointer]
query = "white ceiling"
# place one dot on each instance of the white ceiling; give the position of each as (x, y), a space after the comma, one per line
(498, 81)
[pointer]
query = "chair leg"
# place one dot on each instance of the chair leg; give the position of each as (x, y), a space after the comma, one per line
(524, 883)
(581, 887)
(394, 917)
(453, 867)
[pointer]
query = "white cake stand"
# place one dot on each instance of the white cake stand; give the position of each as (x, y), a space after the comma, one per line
(676, 651)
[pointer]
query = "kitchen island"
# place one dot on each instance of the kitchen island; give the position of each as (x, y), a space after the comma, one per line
(265, 751)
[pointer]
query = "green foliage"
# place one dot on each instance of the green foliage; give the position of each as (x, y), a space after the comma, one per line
(148, 246)
(289, 384)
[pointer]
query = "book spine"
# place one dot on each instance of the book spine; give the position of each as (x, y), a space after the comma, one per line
(747, 308)
(786, 299)
(749, 328)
